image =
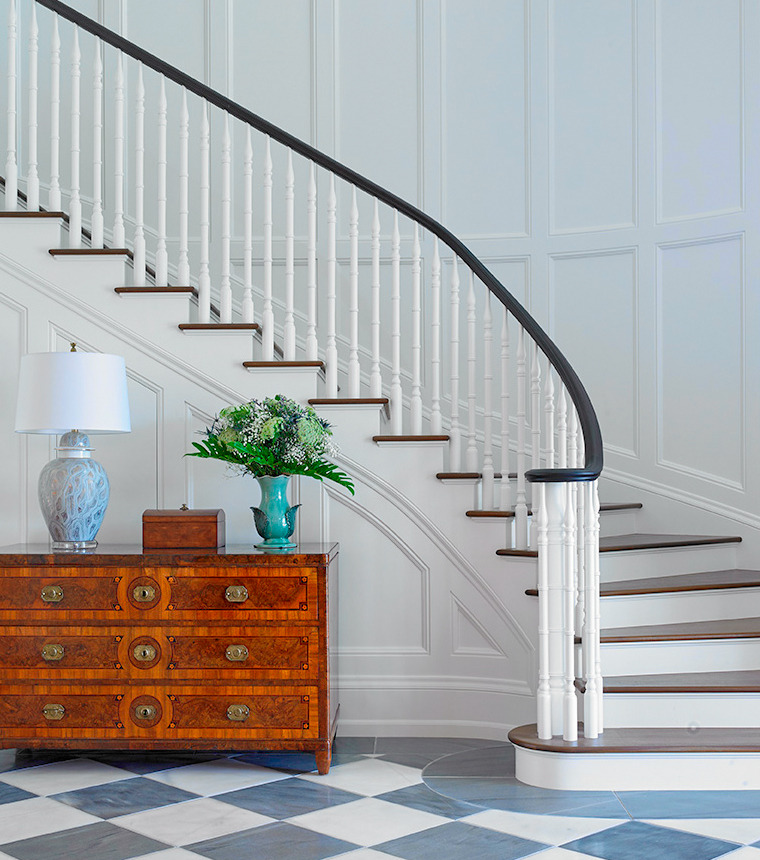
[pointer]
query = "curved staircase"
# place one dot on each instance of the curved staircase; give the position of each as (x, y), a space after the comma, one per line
(670, 622)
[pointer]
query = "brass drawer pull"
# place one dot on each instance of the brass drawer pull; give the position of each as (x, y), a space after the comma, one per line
(144, 653)
(144, 593)
(145, 712)
(52, 594)
(53, 712)
(236, 653)
(52, 652)
(236, 594)
(238, 713)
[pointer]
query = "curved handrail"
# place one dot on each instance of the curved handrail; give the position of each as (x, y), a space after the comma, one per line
(592, 435)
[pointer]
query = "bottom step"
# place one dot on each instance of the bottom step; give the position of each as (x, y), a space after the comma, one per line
(625, 759)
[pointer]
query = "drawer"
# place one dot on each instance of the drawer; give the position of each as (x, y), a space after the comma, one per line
(61, 594)
(57, 710)
(25, 652)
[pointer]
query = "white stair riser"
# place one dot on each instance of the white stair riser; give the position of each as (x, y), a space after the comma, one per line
(639, 564)
(29, 238)
(649, 658)
(686, 710)
(617, 523)
(680, 606)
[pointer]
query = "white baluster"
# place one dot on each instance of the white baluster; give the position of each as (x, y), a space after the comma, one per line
(119, 237)
(416, 401)
(549, 417)
(75, 202)
(183, 264)
(162, 260)
(488, 470)
(289, 329)
(505, 494)
(96, 227)
(312, 346)
(32, 173)
(471, 456)
(569, 582)
(592, 705)
(225, 283)
(267, 313)
(331, 348)
(138, 262)
(396, 393)
(54, 196)
(544, 700)
(521, 507)
(375, 380)
(580, 496)
(247, 307)
(535, 423)
(204, 276)
(562, 428)
(436, 425)
(354, 369)
(11, 162)
(455, 434)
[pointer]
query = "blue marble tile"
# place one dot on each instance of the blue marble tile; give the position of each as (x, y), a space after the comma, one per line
(278, 841)
(151, 762)
(492, 761)
(635, 840)
(356, 746)
(691, 804)
(10, 794)
(20, 759)
(423, 798)
(287, 797)
(457, 841)
(120, 798)
(420, 752)
(293, 762)
(102, 841)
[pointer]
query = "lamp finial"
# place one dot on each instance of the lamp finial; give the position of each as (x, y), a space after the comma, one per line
(73, 347)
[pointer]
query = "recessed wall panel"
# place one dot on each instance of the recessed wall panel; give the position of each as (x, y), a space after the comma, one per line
(699, 108)
(593, 321)
(13, 334)
(700, 367)
(592, 127)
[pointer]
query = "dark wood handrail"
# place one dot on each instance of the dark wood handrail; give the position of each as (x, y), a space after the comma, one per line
(592, 435)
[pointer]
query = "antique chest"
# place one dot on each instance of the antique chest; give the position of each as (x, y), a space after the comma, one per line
(121, 648)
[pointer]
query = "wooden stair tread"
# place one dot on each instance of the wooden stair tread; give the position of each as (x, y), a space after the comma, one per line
(651, 740)
(218, 326)
(273, 365)
(740, 681)
(422, 438)
(25, 214)
(623, 543)
(604, 508)
(470, 476)
(90, 252)
(722, 628)
(152, 290)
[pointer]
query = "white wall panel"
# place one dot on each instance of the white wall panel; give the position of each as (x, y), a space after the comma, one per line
(592, 103)
(594, 304)
(701, 359)
(699, 108)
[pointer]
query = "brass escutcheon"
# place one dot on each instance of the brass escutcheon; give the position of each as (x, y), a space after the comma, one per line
(236, 594)
(145, 712)
(52, 652)
(236, 653)
(144, 593)
(52, 593)
(238, 713)
(53, 712)
(144, 653)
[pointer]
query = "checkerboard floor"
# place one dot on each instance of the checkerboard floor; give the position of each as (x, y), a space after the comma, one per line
(412, 798)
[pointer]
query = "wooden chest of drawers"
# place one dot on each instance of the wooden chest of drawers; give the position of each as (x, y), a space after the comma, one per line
(170, 649)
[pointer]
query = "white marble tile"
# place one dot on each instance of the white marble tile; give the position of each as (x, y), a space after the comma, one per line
(191, 821)
(741, 830)
(214, 777)
(368, 776)
(37, 816)
(549, 829)
(368, 821)
(361, 854)
(168, 854)
(745, 853)
(68, 775)
(564, 854)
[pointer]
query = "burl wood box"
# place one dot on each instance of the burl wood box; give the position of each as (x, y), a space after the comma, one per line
(183, 529)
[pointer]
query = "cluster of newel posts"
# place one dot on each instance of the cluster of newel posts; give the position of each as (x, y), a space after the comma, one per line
(511, 413)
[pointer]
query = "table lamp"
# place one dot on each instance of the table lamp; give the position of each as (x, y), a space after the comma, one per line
(73, 394)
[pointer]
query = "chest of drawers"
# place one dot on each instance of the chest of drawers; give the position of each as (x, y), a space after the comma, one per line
(194, 649)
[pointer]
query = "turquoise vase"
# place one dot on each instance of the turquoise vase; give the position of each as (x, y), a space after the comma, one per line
(275, 519)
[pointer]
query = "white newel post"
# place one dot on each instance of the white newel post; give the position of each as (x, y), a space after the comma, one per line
(11, 162)
(75, 202)
(593, 698)
(32, 173)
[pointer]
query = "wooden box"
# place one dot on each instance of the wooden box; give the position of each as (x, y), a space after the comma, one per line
(183, 529)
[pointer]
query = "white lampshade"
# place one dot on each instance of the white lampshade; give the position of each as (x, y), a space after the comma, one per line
(62, 391)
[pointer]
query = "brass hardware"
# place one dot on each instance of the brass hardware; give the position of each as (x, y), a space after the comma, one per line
(145, 712)
(52, 593)
(238, 713)
(144, 593)
(53, 712)
(236, 594)
(184, 507)
(236, 653)
(144, 653)
(52, 652)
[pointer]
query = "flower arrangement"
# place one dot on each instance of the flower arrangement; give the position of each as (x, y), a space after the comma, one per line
(271, 437)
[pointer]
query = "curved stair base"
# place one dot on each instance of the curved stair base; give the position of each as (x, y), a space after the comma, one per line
(628, 759)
